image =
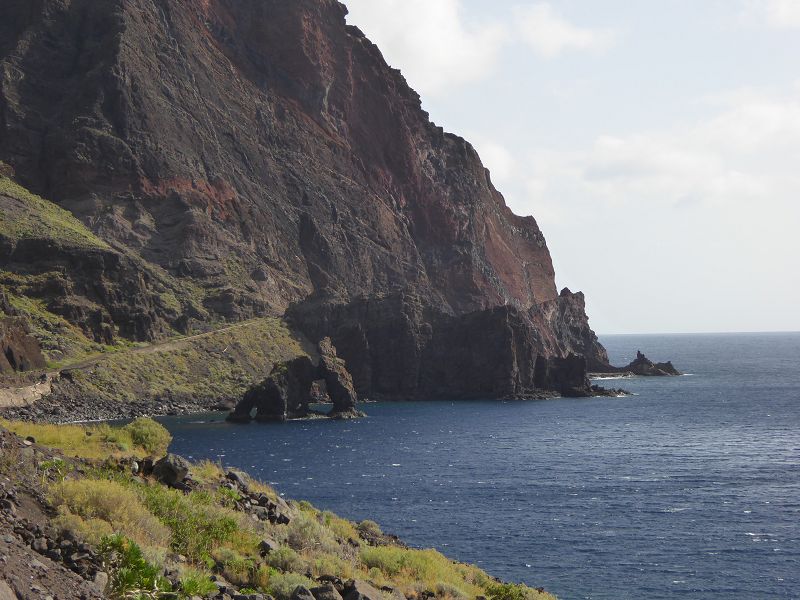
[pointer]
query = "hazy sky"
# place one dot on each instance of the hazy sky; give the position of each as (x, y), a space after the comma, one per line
(657, 142)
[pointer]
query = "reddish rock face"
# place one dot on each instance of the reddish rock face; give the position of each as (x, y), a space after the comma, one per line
(267, 152)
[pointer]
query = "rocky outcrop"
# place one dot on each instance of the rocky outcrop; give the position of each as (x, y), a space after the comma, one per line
(338, 381)
(401, 347)
(288, 391)
(645, 367)
(276, 162)
(19, 351)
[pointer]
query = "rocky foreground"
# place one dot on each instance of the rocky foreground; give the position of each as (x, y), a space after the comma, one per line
(106, 518)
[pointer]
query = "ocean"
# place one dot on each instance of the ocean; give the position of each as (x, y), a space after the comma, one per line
(688, 489)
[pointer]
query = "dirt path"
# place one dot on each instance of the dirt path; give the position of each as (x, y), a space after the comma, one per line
(13, 394)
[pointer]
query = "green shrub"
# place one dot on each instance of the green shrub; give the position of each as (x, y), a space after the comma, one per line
(507, 591)
(130, 575)
(342, 528)
(197, 526)
(286, 559)
(307, 534)
(93, 500)
(281, 585)
(369, 529)
(196, 583)
(449, 591)
(150, 435)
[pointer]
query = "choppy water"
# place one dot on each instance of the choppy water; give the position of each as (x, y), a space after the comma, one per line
(690, 489)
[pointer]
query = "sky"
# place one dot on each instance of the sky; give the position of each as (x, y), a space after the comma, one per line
(656, 142)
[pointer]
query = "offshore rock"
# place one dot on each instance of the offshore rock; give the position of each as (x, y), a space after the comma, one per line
(643, 366)
(338, 381)
(288, 391)
(285, 394)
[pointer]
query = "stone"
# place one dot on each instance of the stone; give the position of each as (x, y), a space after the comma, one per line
(6, 593)
(266, 546)
(101, 581)
(326, 592)
(240, 478)
(171, 470)
(302, 593)
(8, 506)
(40, 545)
(361, 590)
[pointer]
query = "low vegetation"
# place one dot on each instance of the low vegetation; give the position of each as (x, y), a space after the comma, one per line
(221, 364)
(142, 437)
(26, 215)
(145, 529)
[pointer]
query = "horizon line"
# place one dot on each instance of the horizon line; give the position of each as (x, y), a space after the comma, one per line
(753, 332)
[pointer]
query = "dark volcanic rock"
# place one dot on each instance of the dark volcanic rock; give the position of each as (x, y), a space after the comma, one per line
(19, 351)
(289, 389)
(338, 381)
(171, 470)
(305, 174)
(285, 394)
(645, 367)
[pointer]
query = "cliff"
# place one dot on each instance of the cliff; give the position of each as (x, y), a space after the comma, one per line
(228, 159)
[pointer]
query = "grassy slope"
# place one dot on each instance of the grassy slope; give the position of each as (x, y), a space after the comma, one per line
(216, 365)
(209, 528)
(26, 215)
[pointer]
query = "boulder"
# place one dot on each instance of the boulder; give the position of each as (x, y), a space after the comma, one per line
(171, 470)
(326, 592)
(266, 546)
(302, 593)
(361, 590)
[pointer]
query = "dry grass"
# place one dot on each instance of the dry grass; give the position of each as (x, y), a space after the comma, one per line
(96, 508)
(141, 438)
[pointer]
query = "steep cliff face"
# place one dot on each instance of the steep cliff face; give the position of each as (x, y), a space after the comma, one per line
(261, 156)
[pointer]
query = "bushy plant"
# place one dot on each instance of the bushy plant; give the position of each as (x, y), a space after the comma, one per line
(196, 583)
(150, 435)
(306, 533)
(507, 591)
(197, 525)
(131, 576)
(369, 529)
(94, 500)
(286, 559)
(282, 585)
(448, 591)
(343, 529)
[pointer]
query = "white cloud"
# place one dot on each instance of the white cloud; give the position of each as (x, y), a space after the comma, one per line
(549, 34)
(780, 14)
(430, 40)
(699, 220)
(747, 152)
(783, 13)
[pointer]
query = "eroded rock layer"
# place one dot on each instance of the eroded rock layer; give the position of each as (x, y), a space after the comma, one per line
(262, 156)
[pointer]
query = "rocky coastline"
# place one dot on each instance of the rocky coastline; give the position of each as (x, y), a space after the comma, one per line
(234, 539)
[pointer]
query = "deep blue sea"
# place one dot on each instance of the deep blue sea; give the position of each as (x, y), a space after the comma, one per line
(689, 489)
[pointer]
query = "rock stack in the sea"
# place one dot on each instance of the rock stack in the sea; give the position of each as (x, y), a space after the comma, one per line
(647, 368)
(290, 389)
